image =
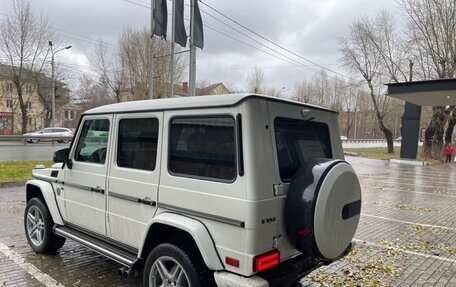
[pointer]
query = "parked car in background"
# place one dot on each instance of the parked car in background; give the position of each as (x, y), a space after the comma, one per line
(51, 132)
(343, 138)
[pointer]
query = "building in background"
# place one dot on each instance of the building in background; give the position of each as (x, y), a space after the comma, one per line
(37, 97)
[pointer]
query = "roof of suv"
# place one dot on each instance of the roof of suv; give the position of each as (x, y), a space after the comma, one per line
(188, 103)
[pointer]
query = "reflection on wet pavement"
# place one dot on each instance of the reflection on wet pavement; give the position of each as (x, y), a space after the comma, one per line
(406, 236)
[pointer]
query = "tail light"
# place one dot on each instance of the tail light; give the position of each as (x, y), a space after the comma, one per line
(266, 260)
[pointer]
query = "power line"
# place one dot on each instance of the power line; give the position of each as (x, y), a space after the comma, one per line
(275, 44)
(288, 59)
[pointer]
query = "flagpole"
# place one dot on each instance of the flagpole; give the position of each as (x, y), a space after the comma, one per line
(192, 70)
(171, 60)
(151, 52)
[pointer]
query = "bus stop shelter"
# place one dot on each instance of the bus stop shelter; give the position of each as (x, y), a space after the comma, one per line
(417, 94)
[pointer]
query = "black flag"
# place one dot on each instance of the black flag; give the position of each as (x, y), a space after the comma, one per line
(160, 18)
(180, 35)
(198, 37)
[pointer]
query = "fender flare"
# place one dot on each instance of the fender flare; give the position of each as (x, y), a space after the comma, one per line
(197, 231)
(47, 191)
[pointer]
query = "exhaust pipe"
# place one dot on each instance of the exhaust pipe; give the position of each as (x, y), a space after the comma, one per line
(121, 271)
(125, 273)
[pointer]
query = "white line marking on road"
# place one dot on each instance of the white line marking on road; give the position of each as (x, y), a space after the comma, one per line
(408, 191)
(408, 222)
(405, 251)
(30, 268)
(405, 183)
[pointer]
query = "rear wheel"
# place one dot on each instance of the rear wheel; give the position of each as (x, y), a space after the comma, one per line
(33, 141)
(174, 265)
(38, 228)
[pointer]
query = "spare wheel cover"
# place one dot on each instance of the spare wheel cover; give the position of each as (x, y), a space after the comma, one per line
(337, 210)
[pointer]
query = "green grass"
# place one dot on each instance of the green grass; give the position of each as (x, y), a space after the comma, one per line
(382, 153)
(19, 170)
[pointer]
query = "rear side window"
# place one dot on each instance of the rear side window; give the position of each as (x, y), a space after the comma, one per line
(203, 147)
(298, 141)
(137, 143)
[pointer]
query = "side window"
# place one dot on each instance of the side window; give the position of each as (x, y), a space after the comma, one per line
(137, 143)
(203, 147)
(93, 141)
(298, 141)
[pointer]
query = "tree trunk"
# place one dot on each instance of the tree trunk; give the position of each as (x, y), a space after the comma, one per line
(434, 132)
(386, 132)
(450, 128)
(348, 124)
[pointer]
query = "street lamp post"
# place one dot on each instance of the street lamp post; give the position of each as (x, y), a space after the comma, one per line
(53, 80)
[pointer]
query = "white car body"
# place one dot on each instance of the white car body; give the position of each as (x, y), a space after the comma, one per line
(234, 212)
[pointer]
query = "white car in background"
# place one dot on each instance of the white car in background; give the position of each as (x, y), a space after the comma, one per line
(51, 132)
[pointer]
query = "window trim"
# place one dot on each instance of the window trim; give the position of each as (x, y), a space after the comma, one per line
(116, 142)
(275, 142)
(204, 178)
(79, 130)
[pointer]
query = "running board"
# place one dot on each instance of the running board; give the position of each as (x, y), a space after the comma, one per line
(111, 251)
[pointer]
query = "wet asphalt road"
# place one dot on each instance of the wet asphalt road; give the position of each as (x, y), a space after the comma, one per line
(11, 151)
(406, 237)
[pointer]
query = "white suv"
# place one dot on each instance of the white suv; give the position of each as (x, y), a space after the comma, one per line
(228, 190)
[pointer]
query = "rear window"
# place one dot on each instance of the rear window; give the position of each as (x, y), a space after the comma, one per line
(298, 141)
(203, 147)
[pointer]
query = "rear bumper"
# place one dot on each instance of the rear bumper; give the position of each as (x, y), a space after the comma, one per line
(285, 274)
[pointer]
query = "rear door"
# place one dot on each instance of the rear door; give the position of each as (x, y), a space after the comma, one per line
(299, 133)
(134, 175)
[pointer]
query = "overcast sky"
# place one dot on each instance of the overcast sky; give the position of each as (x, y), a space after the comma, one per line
(309, 28)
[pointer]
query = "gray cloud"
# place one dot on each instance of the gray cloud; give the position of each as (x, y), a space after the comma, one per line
(310, 28)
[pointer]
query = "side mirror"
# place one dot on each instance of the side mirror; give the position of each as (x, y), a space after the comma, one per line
(61, 155)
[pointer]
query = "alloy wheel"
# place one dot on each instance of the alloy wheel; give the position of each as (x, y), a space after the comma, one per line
(167, 272)
(35, 225)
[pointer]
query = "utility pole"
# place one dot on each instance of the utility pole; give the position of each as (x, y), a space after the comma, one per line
(53, 79)
(151, 52)
(192, 70)
(171, 60)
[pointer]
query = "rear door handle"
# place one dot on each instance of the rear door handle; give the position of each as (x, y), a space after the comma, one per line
(97, 189)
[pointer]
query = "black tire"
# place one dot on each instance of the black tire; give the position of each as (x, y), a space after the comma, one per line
(190, 260)
(49, 242)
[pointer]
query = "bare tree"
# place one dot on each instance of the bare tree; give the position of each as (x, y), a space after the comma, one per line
(133, 47)
(361, 56)
(91, 93)
(255, 81)
(431, 28)
(43, 88)
(24, 37)
(111, 69)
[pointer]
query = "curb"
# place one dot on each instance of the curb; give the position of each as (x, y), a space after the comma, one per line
(12, 183)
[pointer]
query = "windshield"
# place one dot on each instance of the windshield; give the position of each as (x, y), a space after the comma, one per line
(298, 141)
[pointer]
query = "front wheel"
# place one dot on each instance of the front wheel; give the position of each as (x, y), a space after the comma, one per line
(172, 265)
(38, 228)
